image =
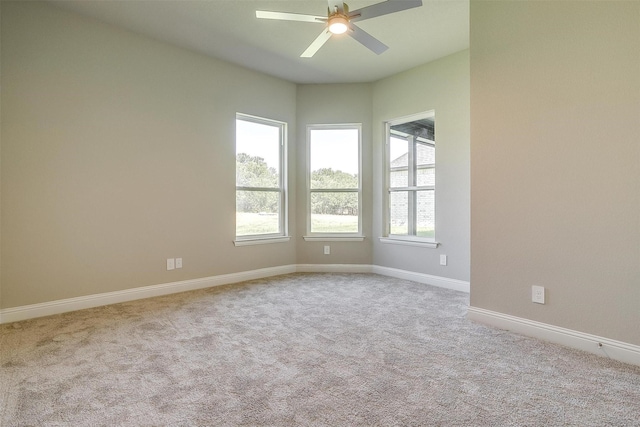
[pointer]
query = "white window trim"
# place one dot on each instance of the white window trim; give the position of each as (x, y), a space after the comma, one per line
(283, 236)
(410, 241)
(397, 238)
(335, 237)
(261, 240)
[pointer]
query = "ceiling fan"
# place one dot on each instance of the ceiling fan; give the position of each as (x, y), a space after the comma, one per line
(340, 20)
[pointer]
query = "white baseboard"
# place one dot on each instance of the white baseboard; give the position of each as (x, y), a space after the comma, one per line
(441, 282)
(25, 312)
(333, 268)
(601, 346)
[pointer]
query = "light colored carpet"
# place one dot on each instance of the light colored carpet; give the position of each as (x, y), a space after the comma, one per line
(302, 350)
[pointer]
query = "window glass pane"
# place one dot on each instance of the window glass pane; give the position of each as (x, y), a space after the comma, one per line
(334, 212)
(399, 212)
(398, 162)
(425, 159)
(426, 154)
(333, 155)
(257, 212)
(327, 178)
(257, 154)
(426, 176)
(425, 213)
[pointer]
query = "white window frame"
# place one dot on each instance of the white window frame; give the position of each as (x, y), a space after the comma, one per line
(411, 239)
(335, 236)
(283, 234)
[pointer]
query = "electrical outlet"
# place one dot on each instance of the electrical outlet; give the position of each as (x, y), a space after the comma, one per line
(171, 263)
(327, 250)
(443, 260)
(178, 262)
(537, 294)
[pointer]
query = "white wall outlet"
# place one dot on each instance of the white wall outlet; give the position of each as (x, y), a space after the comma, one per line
(537, 294)
(327, 249)
(443, 260)
(171, 263)
(178, 262)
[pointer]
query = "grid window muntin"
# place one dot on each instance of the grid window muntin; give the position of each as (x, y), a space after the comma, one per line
(268, 192)
(351, 193)
(410, 185)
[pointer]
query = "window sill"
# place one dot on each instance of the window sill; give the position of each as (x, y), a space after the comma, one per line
(409, 242)
(333, 238)
(261, 240)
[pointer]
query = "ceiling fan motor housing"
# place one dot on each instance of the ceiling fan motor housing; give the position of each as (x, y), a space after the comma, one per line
(338, 23)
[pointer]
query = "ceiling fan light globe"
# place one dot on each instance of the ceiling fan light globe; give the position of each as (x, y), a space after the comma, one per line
(338, 24)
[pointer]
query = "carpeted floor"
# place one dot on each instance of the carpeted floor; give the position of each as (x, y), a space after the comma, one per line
(301, 350)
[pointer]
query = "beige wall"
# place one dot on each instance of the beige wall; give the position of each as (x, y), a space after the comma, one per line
(0, 157)
(334, 104)
(117, 153)
(555, 155)
(443, 86)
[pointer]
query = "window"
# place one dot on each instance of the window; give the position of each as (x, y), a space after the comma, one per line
(260, 178)
(411, 178)
(334, 180)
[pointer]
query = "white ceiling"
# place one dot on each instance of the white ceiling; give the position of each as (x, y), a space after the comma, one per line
(229, 30)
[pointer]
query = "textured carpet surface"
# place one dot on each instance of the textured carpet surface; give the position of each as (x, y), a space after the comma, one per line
(302, 350)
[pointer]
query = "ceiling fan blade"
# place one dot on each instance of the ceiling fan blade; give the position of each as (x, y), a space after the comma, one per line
(384, 8)
(284, 16)
(317, 44)
(367, 40)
